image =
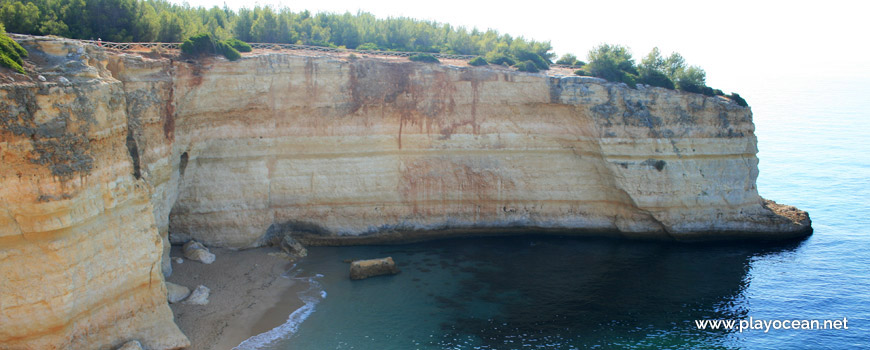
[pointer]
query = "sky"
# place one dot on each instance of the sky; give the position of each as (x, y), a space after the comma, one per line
(735, 41)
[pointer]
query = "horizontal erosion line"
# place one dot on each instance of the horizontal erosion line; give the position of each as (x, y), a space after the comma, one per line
(495, 151)
(510, 203)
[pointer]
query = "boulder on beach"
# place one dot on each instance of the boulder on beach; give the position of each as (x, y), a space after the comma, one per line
(194, 250)
(361, 269)
(176, 293)
(199, 296)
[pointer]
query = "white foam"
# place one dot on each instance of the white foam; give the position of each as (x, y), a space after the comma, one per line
(310, 297)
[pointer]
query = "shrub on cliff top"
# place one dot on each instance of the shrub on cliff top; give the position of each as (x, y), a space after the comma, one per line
(499, 58)
(239, 45)
(739, 100)
(612, 62)
(478, 61)
(204, 44)
(424, 57)
(655, 78)
(11, 53)
(527, 66)
(537, 60)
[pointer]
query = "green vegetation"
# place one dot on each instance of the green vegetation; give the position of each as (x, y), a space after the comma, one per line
(612, 62)
(581, 73)
(527, 66)
(228, 30)
(162, 21)
(736, 98)
(570, 60)
(499, 58)
(239, 45)
(424, 57)
(11, 53)
(478, 61)
(615, 63)
(204, 44)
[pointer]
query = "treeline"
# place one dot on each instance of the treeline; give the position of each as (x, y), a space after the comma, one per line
(162, 21)
(615, 63)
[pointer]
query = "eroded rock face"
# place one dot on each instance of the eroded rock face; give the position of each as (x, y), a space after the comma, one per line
(110, 153)
(80, 254)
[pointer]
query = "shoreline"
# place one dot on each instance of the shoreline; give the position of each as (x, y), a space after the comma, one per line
(248, 296)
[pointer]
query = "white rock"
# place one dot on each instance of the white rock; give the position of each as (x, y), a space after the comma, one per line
(40, 77)
(198, 297)
(176, 293)
(131, 345)
(178, 260)
(64, 81)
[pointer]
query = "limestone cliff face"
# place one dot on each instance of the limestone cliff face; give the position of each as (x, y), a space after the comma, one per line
(80, 253)
(341, 151)
(97, 171)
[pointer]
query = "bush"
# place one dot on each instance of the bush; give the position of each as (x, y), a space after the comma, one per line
(203, 44)
(228, 51)
(718, 92)
(197, 45)
(691, 88)
(527, 66)
(567, 60)
(612, 62)
(239, 45)
(500, 58)
(11, 53)
(739, 100)
(424, 57)
(478, 61)
(537, 60)
(581, 73)
(655, 78)
(368, 47)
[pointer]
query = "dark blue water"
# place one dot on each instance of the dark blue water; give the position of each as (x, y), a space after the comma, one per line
(535, 292)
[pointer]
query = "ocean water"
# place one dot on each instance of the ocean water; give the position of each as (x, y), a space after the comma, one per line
(543, 292)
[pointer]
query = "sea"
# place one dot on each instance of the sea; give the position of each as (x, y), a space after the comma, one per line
(550, 292)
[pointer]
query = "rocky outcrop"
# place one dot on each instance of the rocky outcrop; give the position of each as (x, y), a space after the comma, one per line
(80, 253)
(111, 155)
(362, 269)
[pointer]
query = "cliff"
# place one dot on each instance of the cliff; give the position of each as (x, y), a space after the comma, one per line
(115, 153)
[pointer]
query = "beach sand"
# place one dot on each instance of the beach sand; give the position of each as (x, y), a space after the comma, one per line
(248, 296)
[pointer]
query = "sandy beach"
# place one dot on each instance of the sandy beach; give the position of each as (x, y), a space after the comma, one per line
(248, 296)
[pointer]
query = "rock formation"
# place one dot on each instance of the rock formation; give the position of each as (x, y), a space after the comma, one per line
(362, 269)
(113, 154)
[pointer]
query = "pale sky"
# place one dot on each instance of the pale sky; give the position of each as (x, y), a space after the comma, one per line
(735, 41)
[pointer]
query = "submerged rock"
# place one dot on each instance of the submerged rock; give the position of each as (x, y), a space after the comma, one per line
(194, 250)
(199, 296)
(362, 269)
(176, 293)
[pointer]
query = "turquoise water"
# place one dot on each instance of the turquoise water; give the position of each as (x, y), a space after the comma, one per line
(535, 292)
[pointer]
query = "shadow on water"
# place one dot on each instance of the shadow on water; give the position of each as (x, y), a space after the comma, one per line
(555, 292)
(597, 293)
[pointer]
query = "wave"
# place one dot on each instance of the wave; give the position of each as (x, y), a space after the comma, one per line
(311, 297)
